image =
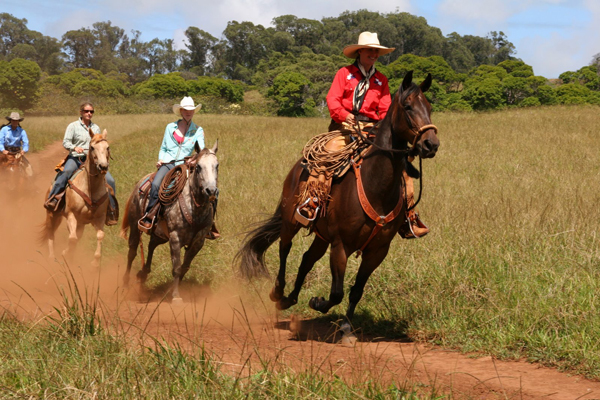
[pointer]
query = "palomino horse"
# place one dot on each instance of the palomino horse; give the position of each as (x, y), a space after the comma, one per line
(184, 223)
(348, 226)
(86, 200)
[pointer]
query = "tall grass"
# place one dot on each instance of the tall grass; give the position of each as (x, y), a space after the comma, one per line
(510, 267)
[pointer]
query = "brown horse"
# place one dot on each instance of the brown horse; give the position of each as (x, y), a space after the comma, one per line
(86, 200)
(183, 223)
(14, 170)
(346, 226)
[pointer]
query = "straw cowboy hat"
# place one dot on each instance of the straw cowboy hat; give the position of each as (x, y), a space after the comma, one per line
(15, 116)
(366, 40)
(187, 103)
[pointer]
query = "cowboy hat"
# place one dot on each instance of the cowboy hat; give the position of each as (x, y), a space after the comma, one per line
(187, 103)
(366, 40)
(15, 116)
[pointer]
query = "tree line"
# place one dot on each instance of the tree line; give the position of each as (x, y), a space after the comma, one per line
(291, 64)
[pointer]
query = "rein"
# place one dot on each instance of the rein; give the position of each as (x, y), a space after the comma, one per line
(170, 192)
(92, 205)
(380, 220)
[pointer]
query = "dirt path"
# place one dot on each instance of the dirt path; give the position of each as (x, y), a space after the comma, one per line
(240, 337)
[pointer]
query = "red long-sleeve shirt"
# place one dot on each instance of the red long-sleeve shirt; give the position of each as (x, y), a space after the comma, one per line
(339, 98)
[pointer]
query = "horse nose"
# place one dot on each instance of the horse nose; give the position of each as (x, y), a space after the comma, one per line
(210, 191)
(430, 146)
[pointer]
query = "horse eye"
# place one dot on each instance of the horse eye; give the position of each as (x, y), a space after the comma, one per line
(407, 107)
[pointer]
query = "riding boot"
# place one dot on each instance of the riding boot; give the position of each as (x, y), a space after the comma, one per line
(112, 212)
(412, 227)
(55, 202)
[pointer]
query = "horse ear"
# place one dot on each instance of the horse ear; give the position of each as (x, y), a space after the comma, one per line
(197, 147)
(104, 134)
(426, 84)
(91, 132)
(215, 147)
(407, 80)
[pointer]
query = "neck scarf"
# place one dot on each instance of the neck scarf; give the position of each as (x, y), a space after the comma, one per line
(361, 89)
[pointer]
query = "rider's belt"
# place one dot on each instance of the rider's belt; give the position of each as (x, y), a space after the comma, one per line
(13, 149)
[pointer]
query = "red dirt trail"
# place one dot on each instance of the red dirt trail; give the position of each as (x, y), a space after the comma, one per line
(237, 336)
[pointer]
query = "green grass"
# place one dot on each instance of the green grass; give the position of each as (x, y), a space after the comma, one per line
(509, 269)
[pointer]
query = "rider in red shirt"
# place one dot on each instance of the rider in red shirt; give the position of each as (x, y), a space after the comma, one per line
(361, 93)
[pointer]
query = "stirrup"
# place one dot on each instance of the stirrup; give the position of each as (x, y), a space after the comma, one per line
(410, 232)
(304, 220)
(143, 228)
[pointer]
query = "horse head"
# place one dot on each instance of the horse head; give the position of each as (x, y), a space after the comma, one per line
(411, 116)
(99, 153)
(205, 169)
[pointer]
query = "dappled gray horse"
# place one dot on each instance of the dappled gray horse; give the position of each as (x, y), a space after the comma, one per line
(183, 223)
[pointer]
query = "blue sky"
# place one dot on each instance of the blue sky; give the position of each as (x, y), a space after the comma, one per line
(553, 36)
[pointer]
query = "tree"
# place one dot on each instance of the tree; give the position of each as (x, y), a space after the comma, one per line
(288, 93)
(79, 48)
(19, 83)
(159, 86)
(304, 32)
(485, 94)
(504, 50)
(200, 44)
(13, 31)
(246, 45)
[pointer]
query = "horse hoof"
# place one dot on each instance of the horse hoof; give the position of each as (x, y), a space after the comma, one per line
(177, 301)
(315, 302)
(285, 303)
(348, 338)
(275, 295)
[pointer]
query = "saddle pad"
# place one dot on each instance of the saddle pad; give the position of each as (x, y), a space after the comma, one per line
(146, 183)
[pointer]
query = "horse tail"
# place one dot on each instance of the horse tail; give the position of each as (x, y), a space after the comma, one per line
(252, 254)
(47, 228)
(125, 222)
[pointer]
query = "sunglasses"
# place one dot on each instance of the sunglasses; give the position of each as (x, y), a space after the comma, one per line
(88, 111)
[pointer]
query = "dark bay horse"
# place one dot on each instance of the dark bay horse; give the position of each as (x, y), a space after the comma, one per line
(405, 131)
(197, 200)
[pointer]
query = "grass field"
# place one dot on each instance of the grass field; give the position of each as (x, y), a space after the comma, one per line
(509, 269)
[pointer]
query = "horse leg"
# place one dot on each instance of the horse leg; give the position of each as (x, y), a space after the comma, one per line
(74, 230)
(369, 263)
(134, 242)
(142, 274)
(190, 253)
(288, 232)
(316, 250)
(176, 261)
(337, 264)
(52, 223)
(99, 225)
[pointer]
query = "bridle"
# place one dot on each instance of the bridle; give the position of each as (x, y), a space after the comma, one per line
(418, 133)
(93, 159)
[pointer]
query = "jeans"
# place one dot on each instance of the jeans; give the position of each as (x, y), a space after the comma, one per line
(155, 187)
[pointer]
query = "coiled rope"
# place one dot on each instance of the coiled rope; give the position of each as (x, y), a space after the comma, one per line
(318, 156)
(173, 184)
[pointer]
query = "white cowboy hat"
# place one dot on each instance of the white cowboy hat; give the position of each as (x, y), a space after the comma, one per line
(14, 116)
(187, 103)
(366, 40)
